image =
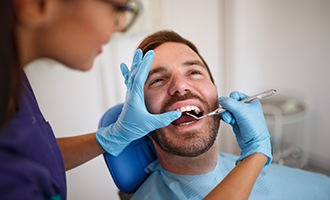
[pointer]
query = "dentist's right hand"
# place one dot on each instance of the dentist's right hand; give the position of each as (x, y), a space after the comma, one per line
(134, 121)
(249, 125)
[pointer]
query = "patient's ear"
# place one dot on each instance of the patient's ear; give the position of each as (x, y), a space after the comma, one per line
(32, 13)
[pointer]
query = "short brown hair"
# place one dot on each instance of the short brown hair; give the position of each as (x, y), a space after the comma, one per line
(160, 37)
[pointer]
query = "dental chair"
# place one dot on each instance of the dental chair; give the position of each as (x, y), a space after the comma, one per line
(127, 169)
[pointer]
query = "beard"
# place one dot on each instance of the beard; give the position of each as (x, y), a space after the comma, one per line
(192, 143)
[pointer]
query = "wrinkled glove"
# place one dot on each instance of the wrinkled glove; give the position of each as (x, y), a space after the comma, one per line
(134, 121)
(248, 124)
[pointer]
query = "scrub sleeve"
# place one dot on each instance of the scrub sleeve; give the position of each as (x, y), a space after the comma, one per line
(31, 164)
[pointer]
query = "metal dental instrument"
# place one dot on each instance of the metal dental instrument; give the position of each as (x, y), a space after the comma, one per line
(247, 100)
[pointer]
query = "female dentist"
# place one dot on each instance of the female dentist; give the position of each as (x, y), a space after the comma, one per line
(32, 160)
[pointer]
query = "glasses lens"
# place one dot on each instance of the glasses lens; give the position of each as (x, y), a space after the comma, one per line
(127, 16)
(124, 19)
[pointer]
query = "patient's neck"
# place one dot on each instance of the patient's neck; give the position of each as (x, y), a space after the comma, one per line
(188, 165)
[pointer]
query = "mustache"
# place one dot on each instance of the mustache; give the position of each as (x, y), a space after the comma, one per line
(177, 98)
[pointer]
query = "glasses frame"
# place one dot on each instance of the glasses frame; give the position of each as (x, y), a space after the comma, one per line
(133, 6)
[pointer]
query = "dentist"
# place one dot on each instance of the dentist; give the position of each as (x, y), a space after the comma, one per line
(33, 161)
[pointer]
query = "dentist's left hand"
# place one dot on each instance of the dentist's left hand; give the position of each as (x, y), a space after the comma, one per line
(249, 125)
(134, 121)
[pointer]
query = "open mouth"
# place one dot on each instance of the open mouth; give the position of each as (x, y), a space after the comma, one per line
(186, 119)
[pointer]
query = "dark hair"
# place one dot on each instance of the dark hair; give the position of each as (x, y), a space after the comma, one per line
(10, 71)
(158, 38)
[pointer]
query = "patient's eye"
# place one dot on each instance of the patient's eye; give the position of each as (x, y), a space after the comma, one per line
(157, 81)
(196, 73)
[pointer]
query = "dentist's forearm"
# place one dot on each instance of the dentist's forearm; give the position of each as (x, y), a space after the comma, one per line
(238, 184)
(77, 150)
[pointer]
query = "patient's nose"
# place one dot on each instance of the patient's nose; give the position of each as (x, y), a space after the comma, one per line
(179, 85)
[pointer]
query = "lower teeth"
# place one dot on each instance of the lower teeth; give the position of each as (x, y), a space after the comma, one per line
(186, 123)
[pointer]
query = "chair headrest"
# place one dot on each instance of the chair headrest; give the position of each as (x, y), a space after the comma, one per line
(127, 169)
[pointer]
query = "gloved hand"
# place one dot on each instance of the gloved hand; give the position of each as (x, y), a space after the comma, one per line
(134, 121)
(248, 124)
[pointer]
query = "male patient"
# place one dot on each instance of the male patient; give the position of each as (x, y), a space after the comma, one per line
(189, 165)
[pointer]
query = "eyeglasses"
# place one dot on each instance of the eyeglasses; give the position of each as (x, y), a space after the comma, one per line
(127, 14)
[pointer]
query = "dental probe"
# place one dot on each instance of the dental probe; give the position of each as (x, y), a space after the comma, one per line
(247, 100)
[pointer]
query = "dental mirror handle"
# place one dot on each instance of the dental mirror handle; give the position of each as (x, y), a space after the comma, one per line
(259, 96)
(247, 100)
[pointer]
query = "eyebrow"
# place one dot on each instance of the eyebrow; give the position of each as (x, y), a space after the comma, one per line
(187, 63)
(194, 62)
(157, 70)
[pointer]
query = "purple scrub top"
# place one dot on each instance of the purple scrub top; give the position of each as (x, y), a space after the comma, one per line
(31, 164)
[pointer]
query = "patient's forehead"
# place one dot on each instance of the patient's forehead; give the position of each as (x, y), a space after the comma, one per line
(173, 53)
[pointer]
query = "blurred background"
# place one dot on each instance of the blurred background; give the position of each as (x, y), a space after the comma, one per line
(250, 46)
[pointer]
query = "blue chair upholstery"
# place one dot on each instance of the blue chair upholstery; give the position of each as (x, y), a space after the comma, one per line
(127, 169)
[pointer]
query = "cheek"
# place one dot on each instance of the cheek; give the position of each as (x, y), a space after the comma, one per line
(149, 101)
(95, 24)
(103, 29)
(104, 21)
(210, 93)
(214, 93)
(87, 45)
(153, 101)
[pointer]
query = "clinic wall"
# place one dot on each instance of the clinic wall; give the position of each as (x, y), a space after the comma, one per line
(284, 45)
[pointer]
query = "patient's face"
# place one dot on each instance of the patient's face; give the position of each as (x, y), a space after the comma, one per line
(178, 79)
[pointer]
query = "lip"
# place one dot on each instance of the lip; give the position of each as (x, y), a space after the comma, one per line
(99, 51)
(195, 125)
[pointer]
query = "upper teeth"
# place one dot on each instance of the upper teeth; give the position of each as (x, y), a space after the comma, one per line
(190, 108)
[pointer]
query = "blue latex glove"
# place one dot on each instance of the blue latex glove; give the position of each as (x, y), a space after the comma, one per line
(249, 125)
(134, 121)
